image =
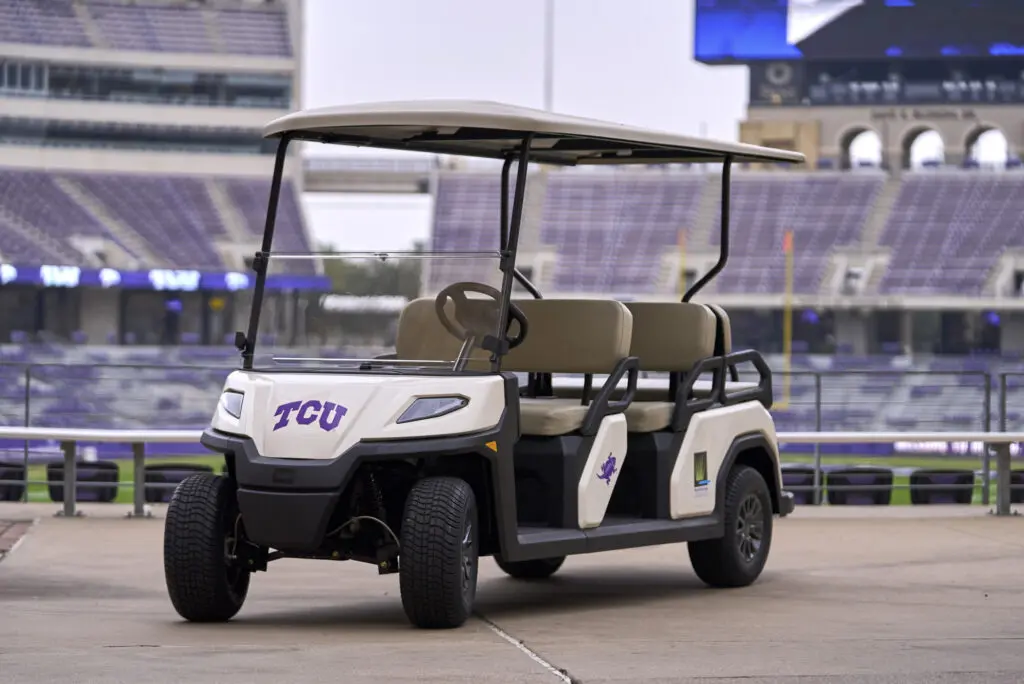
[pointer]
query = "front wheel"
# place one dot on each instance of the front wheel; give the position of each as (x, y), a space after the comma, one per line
(737, 558)
(540, 568)
(200, 532)
(439, 553)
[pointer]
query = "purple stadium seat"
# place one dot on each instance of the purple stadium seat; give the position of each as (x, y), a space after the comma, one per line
(947, 230)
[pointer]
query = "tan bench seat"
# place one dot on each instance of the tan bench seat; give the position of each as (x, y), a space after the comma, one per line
(550, 416)
(667, 337)
(649, 416)
(567, 336)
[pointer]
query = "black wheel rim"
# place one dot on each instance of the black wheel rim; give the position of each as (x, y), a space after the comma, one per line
(468, 560)
(750, 528)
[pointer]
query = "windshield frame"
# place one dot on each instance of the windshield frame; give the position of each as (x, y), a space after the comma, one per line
(509, 229)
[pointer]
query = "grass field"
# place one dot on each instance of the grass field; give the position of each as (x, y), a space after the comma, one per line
(900, 496)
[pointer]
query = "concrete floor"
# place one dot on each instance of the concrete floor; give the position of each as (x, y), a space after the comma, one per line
(909, 595)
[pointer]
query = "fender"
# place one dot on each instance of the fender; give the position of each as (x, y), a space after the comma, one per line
(741, 444)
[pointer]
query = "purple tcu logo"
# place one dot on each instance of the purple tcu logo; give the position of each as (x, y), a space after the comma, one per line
(607, 470)
(327, 413)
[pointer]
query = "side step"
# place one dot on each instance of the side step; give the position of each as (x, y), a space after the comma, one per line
(613, 534)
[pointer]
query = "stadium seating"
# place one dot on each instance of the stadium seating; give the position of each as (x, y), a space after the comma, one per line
(824, 211)
(947, 230)
(41, 22)
(176, 27)
(173, 216)
(611, 230)
(466, 219)
(873, 393)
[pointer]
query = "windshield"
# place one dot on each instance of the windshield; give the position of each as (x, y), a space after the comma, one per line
(430, 306)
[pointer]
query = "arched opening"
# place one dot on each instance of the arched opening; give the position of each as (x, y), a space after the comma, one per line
(987, 147)
(923, 148)
(861, 148)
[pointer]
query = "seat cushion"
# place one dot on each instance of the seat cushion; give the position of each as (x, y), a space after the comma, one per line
(649, 416)
(550, 416)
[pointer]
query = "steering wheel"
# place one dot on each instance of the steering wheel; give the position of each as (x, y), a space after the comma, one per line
(476, 318)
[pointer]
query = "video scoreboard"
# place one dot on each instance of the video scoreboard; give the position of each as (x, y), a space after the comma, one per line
(868, 52)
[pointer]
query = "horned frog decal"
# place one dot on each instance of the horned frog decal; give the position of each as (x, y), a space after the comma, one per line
(607, 470)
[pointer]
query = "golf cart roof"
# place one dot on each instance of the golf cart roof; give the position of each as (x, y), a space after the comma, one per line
(495, 130)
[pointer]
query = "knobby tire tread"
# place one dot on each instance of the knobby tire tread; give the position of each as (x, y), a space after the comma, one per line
(430, 567)
(194, 568)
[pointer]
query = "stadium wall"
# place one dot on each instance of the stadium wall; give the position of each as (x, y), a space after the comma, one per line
(825, 133)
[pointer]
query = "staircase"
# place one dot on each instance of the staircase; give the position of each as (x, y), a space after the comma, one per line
(92, 30)
(210, 27)
(230, 217)
(125, 236)
(872, 231)
(709, 207)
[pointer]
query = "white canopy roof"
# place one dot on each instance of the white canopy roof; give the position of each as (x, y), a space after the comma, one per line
(491, 129)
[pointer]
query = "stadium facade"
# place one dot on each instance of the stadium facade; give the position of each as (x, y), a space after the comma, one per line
(134, 178)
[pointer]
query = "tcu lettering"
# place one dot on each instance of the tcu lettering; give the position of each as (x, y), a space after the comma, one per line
(327, 413)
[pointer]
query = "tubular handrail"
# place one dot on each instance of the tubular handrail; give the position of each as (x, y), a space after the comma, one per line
(69, 437)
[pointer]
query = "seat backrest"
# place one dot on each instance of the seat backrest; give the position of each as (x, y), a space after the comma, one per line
(671, 336)
(572, 336)
(422, 337)
(564, 336)
(723, 334)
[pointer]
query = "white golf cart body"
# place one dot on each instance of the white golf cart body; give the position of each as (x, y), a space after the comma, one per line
(581, 456)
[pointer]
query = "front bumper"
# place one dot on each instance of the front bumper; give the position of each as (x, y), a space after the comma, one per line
(286, 504)
(787, 504)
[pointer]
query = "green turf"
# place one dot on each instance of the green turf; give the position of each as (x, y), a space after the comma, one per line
(900, 496)
(125, 491)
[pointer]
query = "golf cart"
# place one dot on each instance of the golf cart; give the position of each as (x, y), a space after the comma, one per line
(461, 444)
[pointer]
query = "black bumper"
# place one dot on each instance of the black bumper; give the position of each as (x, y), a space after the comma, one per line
(787, 504)
(286, 504)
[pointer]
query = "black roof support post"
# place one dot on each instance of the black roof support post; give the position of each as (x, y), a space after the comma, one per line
(723, 253)
(247, 343)
(520, 278)
(508, 255)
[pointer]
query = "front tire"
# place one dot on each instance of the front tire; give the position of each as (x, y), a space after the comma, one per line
(540, 568)
(737, 558)
(199, 532)
(438, 559)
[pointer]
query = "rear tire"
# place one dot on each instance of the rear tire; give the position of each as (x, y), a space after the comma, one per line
(438, 559)
(737, 558)
(199, 532)
(540, 568)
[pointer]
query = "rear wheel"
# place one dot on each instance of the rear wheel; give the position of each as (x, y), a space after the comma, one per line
(201, 531)
(439, 553)
(540, 568)
(737, 558)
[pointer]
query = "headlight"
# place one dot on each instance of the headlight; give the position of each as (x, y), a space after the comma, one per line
(431, 407)
(231, 402)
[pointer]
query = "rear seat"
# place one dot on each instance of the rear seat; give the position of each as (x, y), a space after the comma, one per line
(723, 330)
(667, 337)
(723, 336)
(565, 336)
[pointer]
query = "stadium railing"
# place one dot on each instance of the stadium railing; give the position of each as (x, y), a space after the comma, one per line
(68, 438)
(847, 401)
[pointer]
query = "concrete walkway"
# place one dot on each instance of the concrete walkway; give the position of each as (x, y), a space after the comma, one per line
(850, 595)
